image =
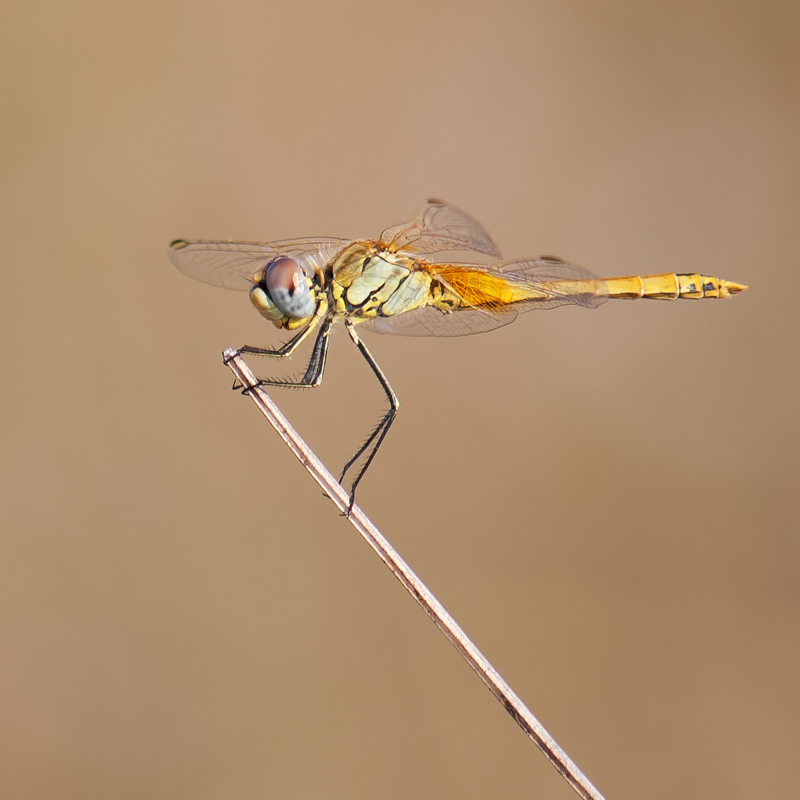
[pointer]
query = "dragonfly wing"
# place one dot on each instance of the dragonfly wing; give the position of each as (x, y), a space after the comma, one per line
(491, 297)
(439, 227)
(562, 283)
(430, 321)
(232, 265)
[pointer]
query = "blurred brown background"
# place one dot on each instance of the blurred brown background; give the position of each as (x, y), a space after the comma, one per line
(607, 501)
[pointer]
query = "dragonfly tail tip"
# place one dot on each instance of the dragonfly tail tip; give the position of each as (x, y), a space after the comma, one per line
(736, 288)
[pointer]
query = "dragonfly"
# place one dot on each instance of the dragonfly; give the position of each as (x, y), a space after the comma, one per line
(387, 285)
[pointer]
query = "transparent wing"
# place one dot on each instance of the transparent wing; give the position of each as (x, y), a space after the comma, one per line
(439, 227)
(560, 282)
(430, 321)
(232, 265)
(492, 297)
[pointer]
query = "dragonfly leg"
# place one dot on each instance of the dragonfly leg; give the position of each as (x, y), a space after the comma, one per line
(315, 369)
(375, 439)
(286, 349)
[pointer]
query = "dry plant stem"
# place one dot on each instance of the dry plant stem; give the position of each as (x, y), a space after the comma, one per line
(487, 673)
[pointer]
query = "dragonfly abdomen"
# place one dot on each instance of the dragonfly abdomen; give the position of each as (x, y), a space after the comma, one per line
(671, 286)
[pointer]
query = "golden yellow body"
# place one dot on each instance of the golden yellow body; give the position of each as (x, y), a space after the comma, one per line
(388, 285)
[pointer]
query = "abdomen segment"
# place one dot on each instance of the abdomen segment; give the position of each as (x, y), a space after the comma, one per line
(670, 286)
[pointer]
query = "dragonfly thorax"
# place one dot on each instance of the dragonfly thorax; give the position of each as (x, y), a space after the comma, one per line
(370, 281)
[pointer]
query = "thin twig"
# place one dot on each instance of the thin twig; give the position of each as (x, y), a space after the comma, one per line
(487, 673)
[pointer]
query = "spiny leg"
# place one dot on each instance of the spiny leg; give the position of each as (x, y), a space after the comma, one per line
(287, 348)
(316, 364)
(375, 439)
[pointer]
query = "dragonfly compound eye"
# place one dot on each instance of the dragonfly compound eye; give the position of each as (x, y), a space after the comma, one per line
(286, 284)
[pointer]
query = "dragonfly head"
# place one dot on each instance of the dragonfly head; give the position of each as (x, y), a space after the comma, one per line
(282, 293)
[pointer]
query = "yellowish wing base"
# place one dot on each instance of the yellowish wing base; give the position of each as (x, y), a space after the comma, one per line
(496, 291)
